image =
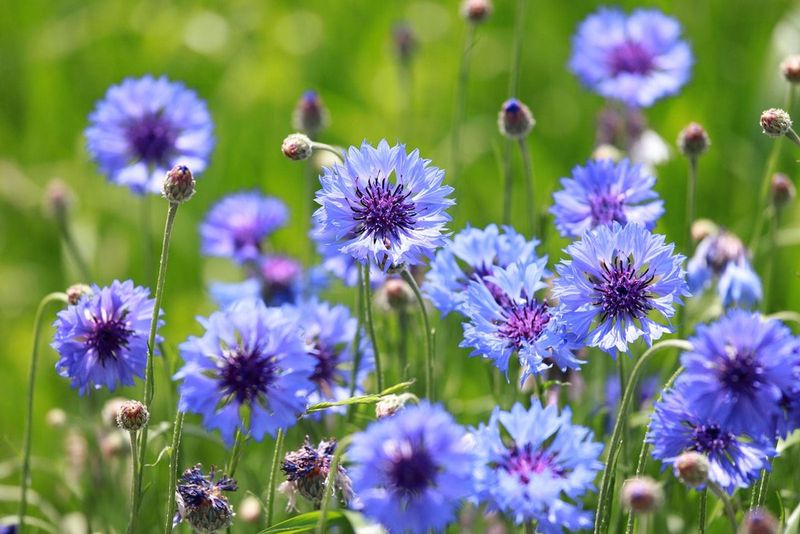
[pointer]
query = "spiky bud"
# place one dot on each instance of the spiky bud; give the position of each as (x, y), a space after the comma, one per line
(759, 521)
(693, 140)
(309, 115)
(515, 120)
(297, 147)
(132, 416)
(775, 122)
(790, 68)
(476, 11)
(77, 291)
(782, 190)
(691, 468)
(642, 495)
(179, 184)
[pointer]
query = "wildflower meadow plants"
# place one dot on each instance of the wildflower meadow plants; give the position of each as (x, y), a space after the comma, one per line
(387, 334)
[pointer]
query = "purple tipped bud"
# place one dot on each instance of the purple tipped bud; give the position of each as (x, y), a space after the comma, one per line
(642, 495)
(178, 184)
(297, 147)
(515, 120)
(693, 140)
(77, 291)
(759, 521)
(476, 11)
(782, 190)
(310, 115)
(790, 68)
(405, 43)
(775, 122)
(132, 416)
(58, 198)
(691, 468)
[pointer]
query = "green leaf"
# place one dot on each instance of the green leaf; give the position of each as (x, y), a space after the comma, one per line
(363, 399)
(308, 522)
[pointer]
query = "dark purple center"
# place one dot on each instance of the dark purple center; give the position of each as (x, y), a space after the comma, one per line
(632, 58)
(108, 338)
(412, 469)
(710, 438)
(623, 291)
(246, 375)
(152, 138)
(325, 375)
(524, 322)
(383, 210)
(607, 208)
(740, 372)
(526, 462)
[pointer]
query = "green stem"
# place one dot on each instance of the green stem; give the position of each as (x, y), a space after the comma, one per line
(785, 315)
(132, 517)
(702, 506)
(330, 483)
(623, 413)
(763, 484)
(691, 196)
(357, 343)
(769, 269)
(236, 453)
(527, 166)
(403, 328)
(371, 324)
(174, 462)
(429, 374)
(74, 251)
(508, 182)
(605, 495)
(461, 100)
(147, 237)
(729, 511)
(27, 436)
(273, 476)
(519, 29)
(335, 150)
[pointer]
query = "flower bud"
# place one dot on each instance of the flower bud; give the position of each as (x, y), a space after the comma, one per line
(642, 495)
(691, 468)
(476, 11)
(76, 291)
(606, 151)
(693, 140)
(297, 147)
(310, 115)
(790, 68)
(132, 416)
(405, 43)
(250, 510)
(775, 122)
(515, 120)
(178, 185)
(58, 199)
(702, 228)
(56, 418)
(394, 295)
(110, 411)
(391, 404)
(759, 521)
(782, 190)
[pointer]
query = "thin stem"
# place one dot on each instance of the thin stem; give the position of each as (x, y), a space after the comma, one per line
(330, 483)
(429, 375)
(147, 237)
(461, 100)
(371, 324)
(508, 182)
(623, 412)
(174, 462)
(27, 436)
(519, 29)
(729, 511)
(769, 269)
(273, 476)
(132, 517)
(691, 196)
(764, 484)
(605, 495)
(335, 150)
(403, 331)
(236, 453)
(527, 166)
(72, 247)
(357, 355)
(702, 506)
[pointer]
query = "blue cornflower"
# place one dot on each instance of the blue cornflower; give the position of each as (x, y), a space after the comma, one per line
(200, 500)
(379, 219)
(722, 256)
(473, 254)
(249, 357)
(740, 372)
(634, 59)
(145, 126)
(617, 277)
(102, 339)
(236, 225)
(410, 471)
(506, 317)
(541, 471)
(735, 459)
(602, 192)
(342, 266)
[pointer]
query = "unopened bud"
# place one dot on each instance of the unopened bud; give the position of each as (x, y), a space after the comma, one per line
(515, 120)
(476, 11)
(691, 468)
(702, 228)
(391, 404)
(250, 510)
(405, 43)
(394, 295)
(56, 418)
(310, 115)
(297, 147)
(782, 189)
(58, 198)
(759, 521)
(132, 416)
(77, 291)
(642, 495)
(607, 152)
(790, 68)
(775, 122)
(178, 184)
(693, 140)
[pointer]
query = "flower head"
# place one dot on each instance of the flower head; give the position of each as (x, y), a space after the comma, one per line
(307, 470)
(412, 470)
(132, 416)
(740, 370)
(145, 126)
(201, 502)
(476, 11)
(179, 184)
(541, 471)
(636, 59)
(603, 192)
(297, 147)
(617, 279)
(310, 115)
(515, 119)
(474, 254)
(790, 68)
(775, 122)
(506, 317)
(102, 338)
(383, 206)
(735, 460)
(693, 140)
(249, 358)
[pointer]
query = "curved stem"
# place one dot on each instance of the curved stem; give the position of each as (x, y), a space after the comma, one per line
(273, 476)
(174, 462)
(335, 150)
(729, 511)
(785, 315)
(26, 441)
(371, 324)
(702, 506)
(527, 166)
(605, 496)
(429, 376)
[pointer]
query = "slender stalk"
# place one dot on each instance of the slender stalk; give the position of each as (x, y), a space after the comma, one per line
(508, 183)
(236, 453)
(605, 495)
(729, 511)
(623, 412)
(461, 100)
(335, 150)
(27, 436)
(763, 484)
(74, 250)
(357, 343)
(527, 166)
(147, 237)
(330, 484)
(402, 341)
(519, 29)
(135, 481)
(429, 375)
(769, 270)
(371, 324)
(702, 506)
(273, 476)
(691, 201)
(174, 462)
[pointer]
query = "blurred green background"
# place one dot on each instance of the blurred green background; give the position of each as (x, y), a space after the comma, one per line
(251, 61)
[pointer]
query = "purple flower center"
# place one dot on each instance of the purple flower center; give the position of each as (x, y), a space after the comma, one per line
(152, 138)
(108, 337)
(740, 372)
(710, 438)
(632, 58)
(526, 462)
(480, 274)
(607, 208)
(246, 375)
(524, 322)
(622, 291)
(325, 375)
(383, 210)
(412, 469)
